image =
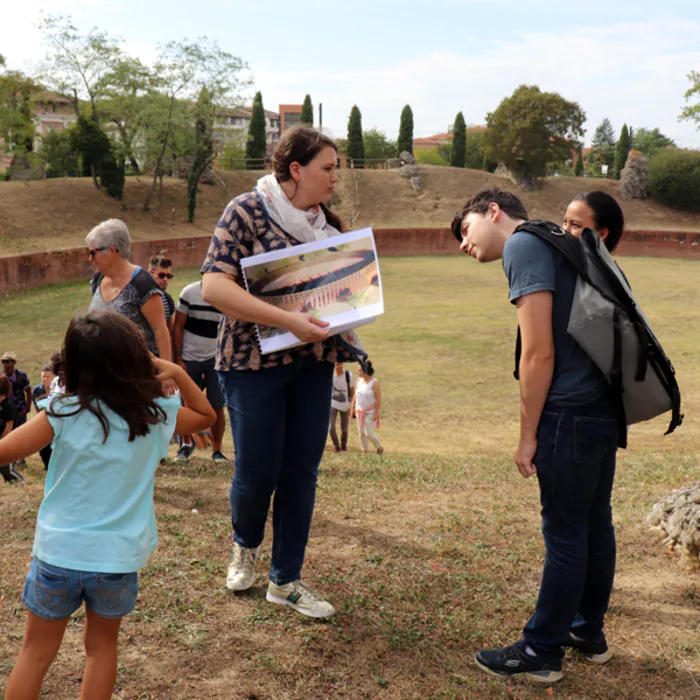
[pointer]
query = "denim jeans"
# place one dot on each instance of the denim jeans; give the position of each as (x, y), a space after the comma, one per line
(575, 461)
(279, 420)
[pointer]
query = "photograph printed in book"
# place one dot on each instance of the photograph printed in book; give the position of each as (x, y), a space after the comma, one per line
(336, 279)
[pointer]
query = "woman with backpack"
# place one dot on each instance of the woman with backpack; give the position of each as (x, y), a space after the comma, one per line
(96, 526)
(279, 403)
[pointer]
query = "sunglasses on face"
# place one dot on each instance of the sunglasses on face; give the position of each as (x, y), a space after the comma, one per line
(93, 251)
(164, 276)
(5, 362)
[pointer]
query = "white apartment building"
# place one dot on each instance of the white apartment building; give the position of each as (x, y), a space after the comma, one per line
(237, 121)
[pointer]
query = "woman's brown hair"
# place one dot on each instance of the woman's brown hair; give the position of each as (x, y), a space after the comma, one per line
(5, 386)
(301, 144)
(106, 363)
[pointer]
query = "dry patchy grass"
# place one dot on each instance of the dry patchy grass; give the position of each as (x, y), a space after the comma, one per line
(428, 553)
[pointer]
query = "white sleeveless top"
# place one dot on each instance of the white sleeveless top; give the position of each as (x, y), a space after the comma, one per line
(365, 394)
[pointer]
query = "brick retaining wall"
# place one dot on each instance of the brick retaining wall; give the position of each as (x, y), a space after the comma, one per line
(30, 270)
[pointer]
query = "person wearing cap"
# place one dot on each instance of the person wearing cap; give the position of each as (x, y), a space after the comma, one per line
(21, 387)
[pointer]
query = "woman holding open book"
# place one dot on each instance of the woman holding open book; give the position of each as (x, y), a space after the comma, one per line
(279, 403)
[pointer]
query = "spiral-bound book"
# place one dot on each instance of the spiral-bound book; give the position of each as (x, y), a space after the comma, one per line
(335, 279)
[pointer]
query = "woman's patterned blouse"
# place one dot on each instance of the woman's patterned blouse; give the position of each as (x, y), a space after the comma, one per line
(243, 230)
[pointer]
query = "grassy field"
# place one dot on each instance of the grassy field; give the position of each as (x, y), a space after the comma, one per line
(428, 553)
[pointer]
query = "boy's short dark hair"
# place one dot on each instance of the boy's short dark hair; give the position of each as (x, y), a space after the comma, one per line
(160, 261)
(479, 204)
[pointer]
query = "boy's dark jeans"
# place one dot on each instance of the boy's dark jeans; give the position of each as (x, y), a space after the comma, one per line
(279, 420)
(575, 461)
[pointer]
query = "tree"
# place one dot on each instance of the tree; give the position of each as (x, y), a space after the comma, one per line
(124, 105)
(405, 140)
(204, 150)
(650, 141)
(89, 140)
(17, 92)
(77, 65)
(58, 153)
(622, 150)
(475, 157)
(578, 168)
(355, 148)
(307, 112)
(183, 68)
(458, 152)
(378, 146)
(256, 146)
(530, 129)
(691, 112)
(603, 144)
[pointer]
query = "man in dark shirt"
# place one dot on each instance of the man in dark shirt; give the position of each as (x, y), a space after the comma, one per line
(8, 416)
(160, 269)
(568, 438)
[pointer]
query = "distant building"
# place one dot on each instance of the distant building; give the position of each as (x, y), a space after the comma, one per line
(52, 112)
(237, 120)
(290, 115)
(431, 142)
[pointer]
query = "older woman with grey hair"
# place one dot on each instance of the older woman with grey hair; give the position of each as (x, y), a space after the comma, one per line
(120, 286)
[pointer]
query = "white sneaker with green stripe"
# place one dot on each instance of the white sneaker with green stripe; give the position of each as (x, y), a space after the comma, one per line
(301, 597)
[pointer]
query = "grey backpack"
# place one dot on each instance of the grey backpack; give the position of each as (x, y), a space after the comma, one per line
(608, 324)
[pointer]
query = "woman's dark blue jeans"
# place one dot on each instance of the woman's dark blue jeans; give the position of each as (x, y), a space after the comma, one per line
(575, 461)
(279, 420)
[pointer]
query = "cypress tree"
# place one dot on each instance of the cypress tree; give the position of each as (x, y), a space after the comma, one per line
(307, 112)
(578, 168)
(458, 153)
(622, 150)
(256, 145)
(355, 148)
(405, 141)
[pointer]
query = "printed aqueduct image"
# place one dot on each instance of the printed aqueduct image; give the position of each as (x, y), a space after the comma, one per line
(323, 283)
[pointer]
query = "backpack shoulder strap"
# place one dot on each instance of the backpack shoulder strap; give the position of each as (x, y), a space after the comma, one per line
(569, 246)
(347, 381)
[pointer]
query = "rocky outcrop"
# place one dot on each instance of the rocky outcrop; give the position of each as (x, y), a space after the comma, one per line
(677, 519)
(633, 179)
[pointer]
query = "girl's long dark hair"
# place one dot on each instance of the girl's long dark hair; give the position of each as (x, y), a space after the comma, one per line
(106, 363)
(301, 144)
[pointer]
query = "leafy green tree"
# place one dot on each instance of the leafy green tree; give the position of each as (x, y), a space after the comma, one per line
(405, 140)
(378, 146)
(124, 106)
(674, 178)
(458, 152)
(355, 148)
(16, 120)
(530, 129)
(58, 153)
(204, 153)
(475, 157)
(622, 150)
(181, 71)
(650, 141)
(256, 146)
(77, 65)
(578, 168)
(603, 144)
(307, 112)
(89, 140)
(691, 112)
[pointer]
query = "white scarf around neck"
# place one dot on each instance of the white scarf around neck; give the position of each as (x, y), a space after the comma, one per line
(303, 225)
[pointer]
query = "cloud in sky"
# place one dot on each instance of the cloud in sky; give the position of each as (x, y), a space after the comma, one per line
(633, 72)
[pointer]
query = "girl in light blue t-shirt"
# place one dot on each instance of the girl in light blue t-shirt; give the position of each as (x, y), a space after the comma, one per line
(96, 526)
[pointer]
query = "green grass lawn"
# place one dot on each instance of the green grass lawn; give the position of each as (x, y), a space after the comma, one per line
(428, 553)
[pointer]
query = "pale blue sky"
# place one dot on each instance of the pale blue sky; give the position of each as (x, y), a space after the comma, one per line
(624, 60)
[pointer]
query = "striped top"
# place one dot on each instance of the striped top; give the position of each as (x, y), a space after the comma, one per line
(201, 326)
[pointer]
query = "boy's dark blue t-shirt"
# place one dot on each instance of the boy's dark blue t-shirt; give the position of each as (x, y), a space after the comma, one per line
(531, 265)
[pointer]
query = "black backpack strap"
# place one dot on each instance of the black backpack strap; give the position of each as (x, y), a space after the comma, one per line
(569, 246)
(518, 354)
(347, 382)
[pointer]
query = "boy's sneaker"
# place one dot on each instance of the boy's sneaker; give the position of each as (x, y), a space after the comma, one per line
(218, 456)
(184, 453)
(597, 652)
(514, 660)
(9, 473)
(241, 570)
(299, 596)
